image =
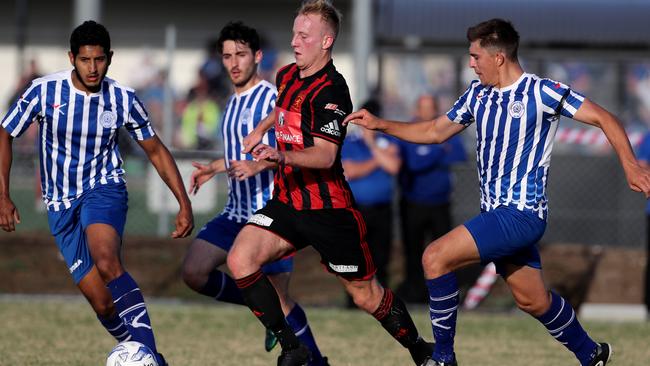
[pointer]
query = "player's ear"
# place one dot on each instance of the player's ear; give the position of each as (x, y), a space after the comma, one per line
(328, 41)
(109, 56)
(500, 58)
(71, 56)
(258, 56)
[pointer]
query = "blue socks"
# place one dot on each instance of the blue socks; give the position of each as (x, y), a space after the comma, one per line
(116, 328)
(297, 320)
(443, 309)
(131, 308)
(562, 324)
(222, 287)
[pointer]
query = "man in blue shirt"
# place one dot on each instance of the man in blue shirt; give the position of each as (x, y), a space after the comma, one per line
(425, 182)
(370, 161)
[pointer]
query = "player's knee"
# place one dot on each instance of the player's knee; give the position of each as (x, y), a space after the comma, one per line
(109, 269)
(432, 262)
(192, 277)
(235, 263)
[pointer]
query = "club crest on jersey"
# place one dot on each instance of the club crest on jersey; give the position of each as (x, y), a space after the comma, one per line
(246, 116)
(516, 109)
(296, 103)
(108, 119)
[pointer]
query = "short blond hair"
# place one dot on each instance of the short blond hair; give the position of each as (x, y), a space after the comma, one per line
(330, 15)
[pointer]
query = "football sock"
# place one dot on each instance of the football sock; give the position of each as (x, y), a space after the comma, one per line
(115, 327)
(298, 322)
(222, 287)
(562, 324)
(443, 309)
(261, 298)
(130, 306)
(395, 318)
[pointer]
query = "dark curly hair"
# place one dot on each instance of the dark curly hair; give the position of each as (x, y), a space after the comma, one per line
(239, 32)
(90, 33)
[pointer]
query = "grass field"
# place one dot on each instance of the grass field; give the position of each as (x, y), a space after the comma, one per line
(64, 331)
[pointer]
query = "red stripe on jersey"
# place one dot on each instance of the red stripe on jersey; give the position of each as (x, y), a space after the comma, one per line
(312, 101)
(290, 72)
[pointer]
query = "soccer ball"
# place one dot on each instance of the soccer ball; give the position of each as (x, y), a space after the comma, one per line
(131, 353)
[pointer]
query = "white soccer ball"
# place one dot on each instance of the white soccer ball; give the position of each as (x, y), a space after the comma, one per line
(131, 353)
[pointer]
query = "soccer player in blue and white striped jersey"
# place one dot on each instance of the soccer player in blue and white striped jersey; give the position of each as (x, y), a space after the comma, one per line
(516, 116)
(79, 112)
(250, 184)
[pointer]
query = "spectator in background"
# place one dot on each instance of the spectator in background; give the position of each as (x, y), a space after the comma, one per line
(200, 118)
(425, 186)
(212, 71)
(370, 160)
(269, 64)
(30, 73)
(643, 155)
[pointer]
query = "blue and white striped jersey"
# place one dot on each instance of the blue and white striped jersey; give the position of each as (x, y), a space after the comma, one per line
(78, 133)
(243, 112)
(515, 129)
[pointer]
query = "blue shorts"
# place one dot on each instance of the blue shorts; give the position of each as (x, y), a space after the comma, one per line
(222, 231)
(507, 235)
(104, 204)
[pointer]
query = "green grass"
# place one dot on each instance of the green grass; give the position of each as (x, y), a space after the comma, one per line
(65, 332)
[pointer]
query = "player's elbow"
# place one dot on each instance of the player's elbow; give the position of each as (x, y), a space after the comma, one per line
(326, 161)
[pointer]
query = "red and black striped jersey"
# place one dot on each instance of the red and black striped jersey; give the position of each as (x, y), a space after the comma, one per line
(308, 108)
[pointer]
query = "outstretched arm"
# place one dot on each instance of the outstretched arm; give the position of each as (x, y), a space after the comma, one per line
(9, 216)
(638, 177)
(204, 172)
(164, 163)
(427, 132)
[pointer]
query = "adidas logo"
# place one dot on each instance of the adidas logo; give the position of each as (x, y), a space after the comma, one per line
(332, 128)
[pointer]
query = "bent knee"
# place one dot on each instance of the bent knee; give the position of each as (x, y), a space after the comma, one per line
(109, 269)
(433, 262)
(193, 278)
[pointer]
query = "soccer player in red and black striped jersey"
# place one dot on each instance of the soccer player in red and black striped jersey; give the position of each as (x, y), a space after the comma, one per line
(312, 203)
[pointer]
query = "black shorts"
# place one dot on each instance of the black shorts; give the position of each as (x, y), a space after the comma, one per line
(339, 235)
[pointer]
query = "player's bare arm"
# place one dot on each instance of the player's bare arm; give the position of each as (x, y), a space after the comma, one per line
(255, 137)
(9, 216)
(320, 156)
(244, 169)
(164, 163)
(638, 176)
(436, 131)
(204, 172)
